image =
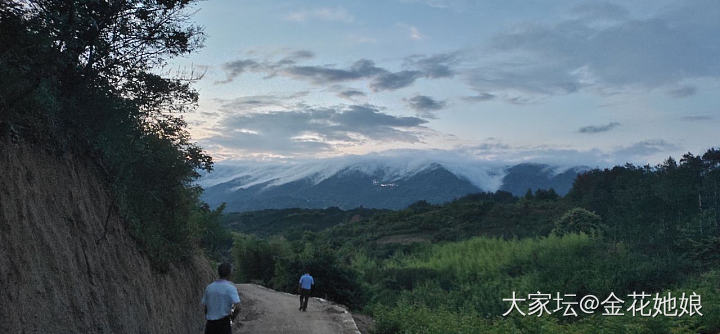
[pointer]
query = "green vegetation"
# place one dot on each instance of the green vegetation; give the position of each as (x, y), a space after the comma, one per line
(461, 286)
(82, 77)
(447, 268)
(277, 263)
(291, 223)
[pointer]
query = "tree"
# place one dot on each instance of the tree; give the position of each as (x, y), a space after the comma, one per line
(579, 220)
(529, 194)
(549, 194)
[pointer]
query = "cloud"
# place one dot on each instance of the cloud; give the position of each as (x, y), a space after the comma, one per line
(298, 54)
(380, 79)
(523, 78)
(235, 68)
(351, 93)
(260, 102)
(312, 130)
(480, 97)
(644, 149)
(435, 66)
(321, 14)
(293, 57)
(424, 106)
(491, 152)
(392, 81)
(684, 91)
(413, 31)
(600, 128)
(362, 68)
(625, 53)
(697, 118)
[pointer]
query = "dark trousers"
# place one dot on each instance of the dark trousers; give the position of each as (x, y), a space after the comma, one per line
(220, 326)
(304, 296)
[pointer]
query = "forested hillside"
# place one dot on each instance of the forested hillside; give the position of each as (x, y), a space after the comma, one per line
(82, 77)
(447, 268)
(291, 222)
(102, 229)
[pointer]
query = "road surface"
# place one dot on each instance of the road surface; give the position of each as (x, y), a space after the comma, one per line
(268, 311)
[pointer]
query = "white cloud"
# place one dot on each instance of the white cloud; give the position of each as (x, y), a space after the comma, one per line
(307, 131)
(412, 31)
(482, 164)
(415, 33)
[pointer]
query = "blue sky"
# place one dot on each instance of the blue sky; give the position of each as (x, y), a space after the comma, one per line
(587, 82)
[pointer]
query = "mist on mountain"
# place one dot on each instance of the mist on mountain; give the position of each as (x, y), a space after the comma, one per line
(388, 180)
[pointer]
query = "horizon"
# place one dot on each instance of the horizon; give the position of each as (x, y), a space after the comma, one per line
(590, 82)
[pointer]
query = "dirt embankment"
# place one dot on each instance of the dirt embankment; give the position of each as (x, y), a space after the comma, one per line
(68, 265)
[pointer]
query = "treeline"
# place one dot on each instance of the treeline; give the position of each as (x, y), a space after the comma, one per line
(664, 210)
(82, 77)
(292, 222)
(446, 268)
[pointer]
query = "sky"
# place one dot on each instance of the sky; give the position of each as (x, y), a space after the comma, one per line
(582, 82)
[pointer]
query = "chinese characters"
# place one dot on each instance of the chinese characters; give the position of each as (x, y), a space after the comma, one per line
(636, 304)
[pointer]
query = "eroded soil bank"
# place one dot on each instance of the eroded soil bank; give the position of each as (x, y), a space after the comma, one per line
(68, 263)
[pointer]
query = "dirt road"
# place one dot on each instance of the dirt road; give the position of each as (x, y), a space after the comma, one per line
(268, 311)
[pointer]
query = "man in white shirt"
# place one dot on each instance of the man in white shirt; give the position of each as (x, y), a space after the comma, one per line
(222, 302)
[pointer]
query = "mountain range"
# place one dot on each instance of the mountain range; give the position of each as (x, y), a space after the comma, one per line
(372, 182)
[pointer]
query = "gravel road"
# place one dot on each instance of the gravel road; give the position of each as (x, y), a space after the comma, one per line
(268, 311)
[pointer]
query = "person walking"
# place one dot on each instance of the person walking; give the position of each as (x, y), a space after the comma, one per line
(305, 286)
(222, 302)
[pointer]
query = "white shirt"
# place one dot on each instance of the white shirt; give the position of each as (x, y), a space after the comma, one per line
(219, 298)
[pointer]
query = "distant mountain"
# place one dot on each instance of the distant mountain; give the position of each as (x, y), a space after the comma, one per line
(520, 178)
(372, 182)
(348, 188)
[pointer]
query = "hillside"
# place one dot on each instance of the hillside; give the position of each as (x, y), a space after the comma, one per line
(519, 178)
(69, 264)
(498, 214)
(292, 221)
